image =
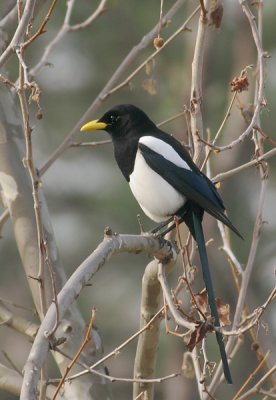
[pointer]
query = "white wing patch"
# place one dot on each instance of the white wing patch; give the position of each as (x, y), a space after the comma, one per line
(166, 150)
(157, 198)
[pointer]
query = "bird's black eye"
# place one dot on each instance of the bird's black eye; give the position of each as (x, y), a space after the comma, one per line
(113, 119)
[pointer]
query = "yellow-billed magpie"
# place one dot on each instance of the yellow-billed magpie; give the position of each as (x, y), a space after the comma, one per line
(166, 182)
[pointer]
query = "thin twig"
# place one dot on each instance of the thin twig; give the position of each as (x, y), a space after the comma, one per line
(211, 146)
(253, 318)
(256, 387)
(120, 347)
(160, 18)
(109, 377)
(267, 394)
(232, 172)
(66, 28)
(173, 118)
(260, 92)
(71, 364)
(251, 376)
(175, 313)
(185, 278)
(90, 144)
(41, 29)
(21, 29)
(100, 10)
(227, 248)
(28, 163)
(126, 81)
(7, 81)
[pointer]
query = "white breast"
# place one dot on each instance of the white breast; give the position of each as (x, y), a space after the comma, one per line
(158, 199)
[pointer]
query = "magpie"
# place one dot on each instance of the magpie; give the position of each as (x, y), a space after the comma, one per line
(166, 183)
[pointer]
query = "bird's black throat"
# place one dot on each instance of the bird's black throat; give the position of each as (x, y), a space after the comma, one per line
(125, 153)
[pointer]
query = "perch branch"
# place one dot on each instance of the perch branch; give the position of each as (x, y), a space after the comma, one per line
(112, 244)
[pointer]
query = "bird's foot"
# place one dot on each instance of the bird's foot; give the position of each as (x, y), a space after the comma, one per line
(157, 231)
(169, 225)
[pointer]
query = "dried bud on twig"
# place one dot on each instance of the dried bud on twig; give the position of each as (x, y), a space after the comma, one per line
(239, 84)
(158, 42)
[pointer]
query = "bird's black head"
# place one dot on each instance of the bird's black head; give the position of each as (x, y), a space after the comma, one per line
(121, 122)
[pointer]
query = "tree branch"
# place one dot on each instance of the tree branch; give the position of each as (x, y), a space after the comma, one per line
(232, 172)
(261, 78)
(112, 244)
(196, 85)
(19, 34)
(16, 322)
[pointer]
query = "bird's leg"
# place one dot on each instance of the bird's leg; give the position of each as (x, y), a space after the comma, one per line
(171, 227)
(180, 218)
(160, 226)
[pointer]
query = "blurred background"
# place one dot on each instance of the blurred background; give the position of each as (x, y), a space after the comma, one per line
(86, 192)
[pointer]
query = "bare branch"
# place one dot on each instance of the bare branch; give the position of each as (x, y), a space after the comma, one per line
(112, 379)
(227, 248)
(100, 10)
(28, 162)
(196, 84)
(148, 327)
(232, 172)
(74, 359)
(258, 385)
(41, 29)
(7, 81)
(19, 34)
(260, 92)
(177, 316)
(66, 28)
(112, 244)
(254, 318)
(90, 144)
(150, 58)
(146, 351)
(18, 323)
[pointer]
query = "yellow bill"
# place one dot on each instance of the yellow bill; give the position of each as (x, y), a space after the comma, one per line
(94, 125)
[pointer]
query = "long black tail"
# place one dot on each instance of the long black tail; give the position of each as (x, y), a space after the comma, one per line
(199, 237)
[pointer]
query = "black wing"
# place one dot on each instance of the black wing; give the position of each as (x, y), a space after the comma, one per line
(195, 186)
